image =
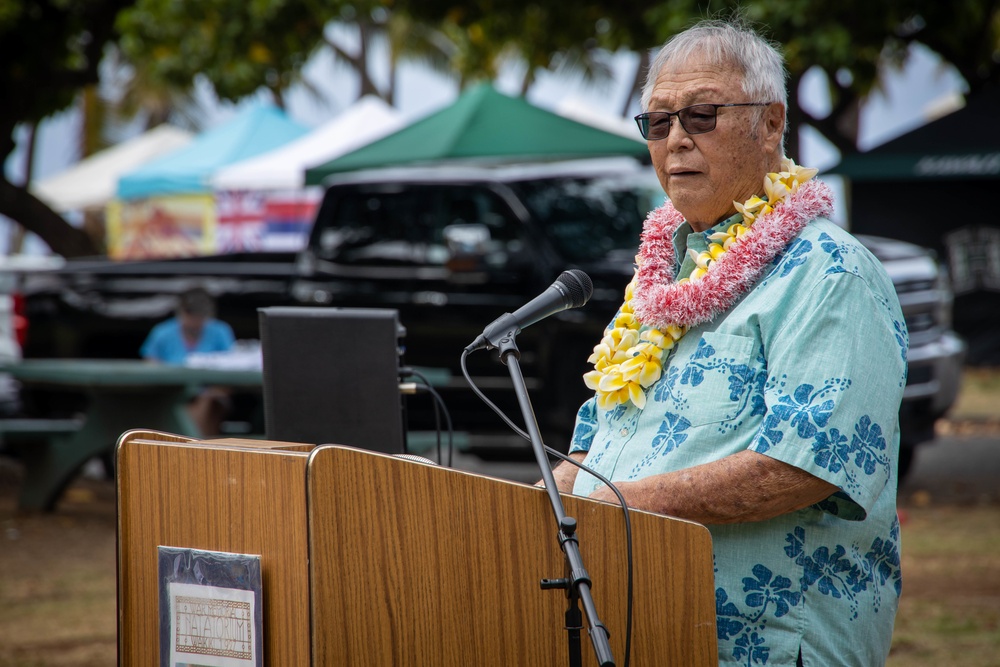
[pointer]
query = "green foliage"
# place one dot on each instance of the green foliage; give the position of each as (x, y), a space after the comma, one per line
(49, 50)
(540, 35)
(238, 45)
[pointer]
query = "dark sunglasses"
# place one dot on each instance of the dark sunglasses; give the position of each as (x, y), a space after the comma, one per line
(695, 119)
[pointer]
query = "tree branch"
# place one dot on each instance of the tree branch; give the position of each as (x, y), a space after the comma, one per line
(35, 216)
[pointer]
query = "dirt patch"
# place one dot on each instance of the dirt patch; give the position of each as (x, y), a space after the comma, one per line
(58, 581)
(58, 577)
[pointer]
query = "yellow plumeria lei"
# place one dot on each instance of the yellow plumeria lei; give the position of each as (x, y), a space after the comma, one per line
(628, 360)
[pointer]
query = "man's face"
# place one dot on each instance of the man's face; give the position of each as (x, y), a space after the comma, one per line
(704, 173)
(192, 325)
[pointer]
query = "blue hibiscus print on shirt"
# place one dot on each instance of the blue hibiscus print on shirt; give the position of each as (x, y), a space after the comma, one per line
(801, 410)
(770, 433)
(794, 256)
(832, 450)
(694, 374)
(764, 588)
(752, 648)
(669, 436)
(866, 452)
(767, 596)
(844, 573)
(867, 444)
(830, 247)
(586, 426)
(727, 616)
(833, 249)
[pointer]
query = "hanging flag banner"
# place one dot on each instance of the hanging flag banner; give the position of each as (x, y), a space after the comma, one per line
(265, 221)
(161, 227)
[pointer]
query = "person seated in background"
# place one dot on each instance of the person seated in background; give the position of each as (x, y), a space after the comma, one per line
(193, 329)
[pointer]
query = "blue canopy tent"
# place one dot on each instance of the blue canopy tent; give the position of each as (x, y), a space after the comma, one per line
(190, 169)
(166, 208)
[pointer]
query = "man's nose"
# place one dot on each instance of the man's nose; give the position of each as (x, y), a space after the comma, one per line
(677, 137)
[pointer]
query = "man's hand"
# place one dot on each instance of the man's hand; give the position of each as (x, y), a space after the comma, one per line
(565, 473)
(605, 493)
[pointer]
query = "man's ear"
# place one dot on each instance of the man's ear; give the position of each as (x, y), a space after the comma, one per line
(774, 126)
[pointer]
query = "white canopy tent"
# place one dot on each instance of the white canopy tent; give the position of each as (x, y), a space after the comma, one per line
(92, 182)
(284, 168)
(583, 112)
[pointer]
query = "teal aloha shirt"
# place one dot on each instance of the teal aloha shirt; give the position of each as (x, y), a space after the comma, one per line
(809, 368)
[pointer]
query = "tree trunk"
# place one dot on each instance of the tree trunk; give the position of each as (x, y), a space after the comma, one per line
(795, 118)
(35, 216)
(637, 81)
(15, 241)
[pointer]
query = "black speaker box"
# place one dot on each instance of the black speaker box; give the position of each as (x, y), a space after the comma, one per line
(331, 376)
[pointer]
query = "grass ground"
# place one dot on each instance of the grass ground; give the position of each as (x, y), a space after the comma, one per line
(949, 615)
(57, 573)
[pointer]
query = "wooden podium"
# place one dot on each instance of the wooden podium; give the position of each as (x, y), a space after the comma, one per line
(370, 559)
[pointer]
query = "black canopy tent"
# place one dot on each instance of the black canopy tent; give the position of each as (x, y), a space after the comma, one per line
(938, 187)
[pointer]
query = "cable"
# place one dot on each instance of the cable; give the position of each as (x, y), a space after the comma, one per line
(621, 499)
(438, 405)
(478, 392)
(628, 544)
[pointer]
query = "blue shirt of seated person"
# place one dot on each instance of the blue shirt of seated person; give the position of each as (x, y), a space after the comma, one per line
(193, 329)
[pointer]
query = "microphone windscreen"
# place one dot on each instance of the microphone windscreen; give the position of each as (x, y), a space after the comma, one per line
(415, 459)
(578, 286)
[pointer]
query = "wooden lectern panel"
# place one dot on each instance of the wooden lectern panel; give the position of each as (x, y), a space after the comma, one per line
(235, 496)
(419, 565)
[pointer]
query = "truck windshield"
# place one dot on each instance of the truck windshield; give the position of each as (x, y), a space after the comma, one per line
(587, 219)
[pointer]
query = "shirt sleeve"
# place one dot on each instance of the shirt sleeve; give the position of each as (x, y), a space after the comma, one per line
(585, 427)
(835, 381)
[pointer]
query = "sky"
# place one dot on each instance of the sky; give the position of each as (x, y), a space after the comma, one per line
(907, 100)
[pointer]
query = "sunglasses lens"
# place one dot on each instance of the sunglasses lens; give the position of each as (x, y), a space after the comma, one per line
(698, 119)
(655, 125)
(642, 120)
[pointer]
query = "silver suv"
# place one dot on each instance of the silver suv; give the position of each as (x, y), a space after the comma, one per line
(936, 353)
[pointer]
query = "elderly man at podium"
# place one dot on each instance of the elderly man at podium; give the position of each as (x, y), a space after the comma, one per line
(752, 378)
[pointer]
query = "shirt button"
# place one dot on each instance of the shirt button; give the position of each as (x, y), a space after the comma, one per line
(623, 432)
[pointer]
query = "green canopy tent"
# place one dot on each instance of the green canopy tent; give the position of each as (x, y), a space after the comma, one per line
(936, 187)
(483, 123)
(964, 145)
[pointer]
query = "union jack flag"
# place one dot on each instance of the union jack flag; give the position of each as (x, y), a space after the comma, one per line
(241, 220)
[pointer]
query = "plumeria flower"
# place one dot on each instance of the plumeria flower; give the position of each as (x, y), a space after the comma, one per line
(701, 260)
(625, 319)
(775, 190)
(637, 395)
(612, 380)
(654, 336)
(593, 379)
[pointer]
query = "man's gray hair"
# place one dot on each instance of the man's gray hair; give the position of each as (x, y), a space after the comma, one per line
(732, 43)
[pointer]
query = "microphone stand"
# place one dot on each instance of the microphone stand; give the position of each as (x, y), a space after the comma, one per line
(577, 581)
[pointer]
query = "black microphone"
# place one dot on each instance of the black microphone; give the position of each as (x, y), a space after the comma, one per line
(571, 289)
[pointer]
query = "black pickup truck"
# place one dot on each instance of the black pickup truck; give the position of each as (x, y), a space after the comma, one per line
(452, 248)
